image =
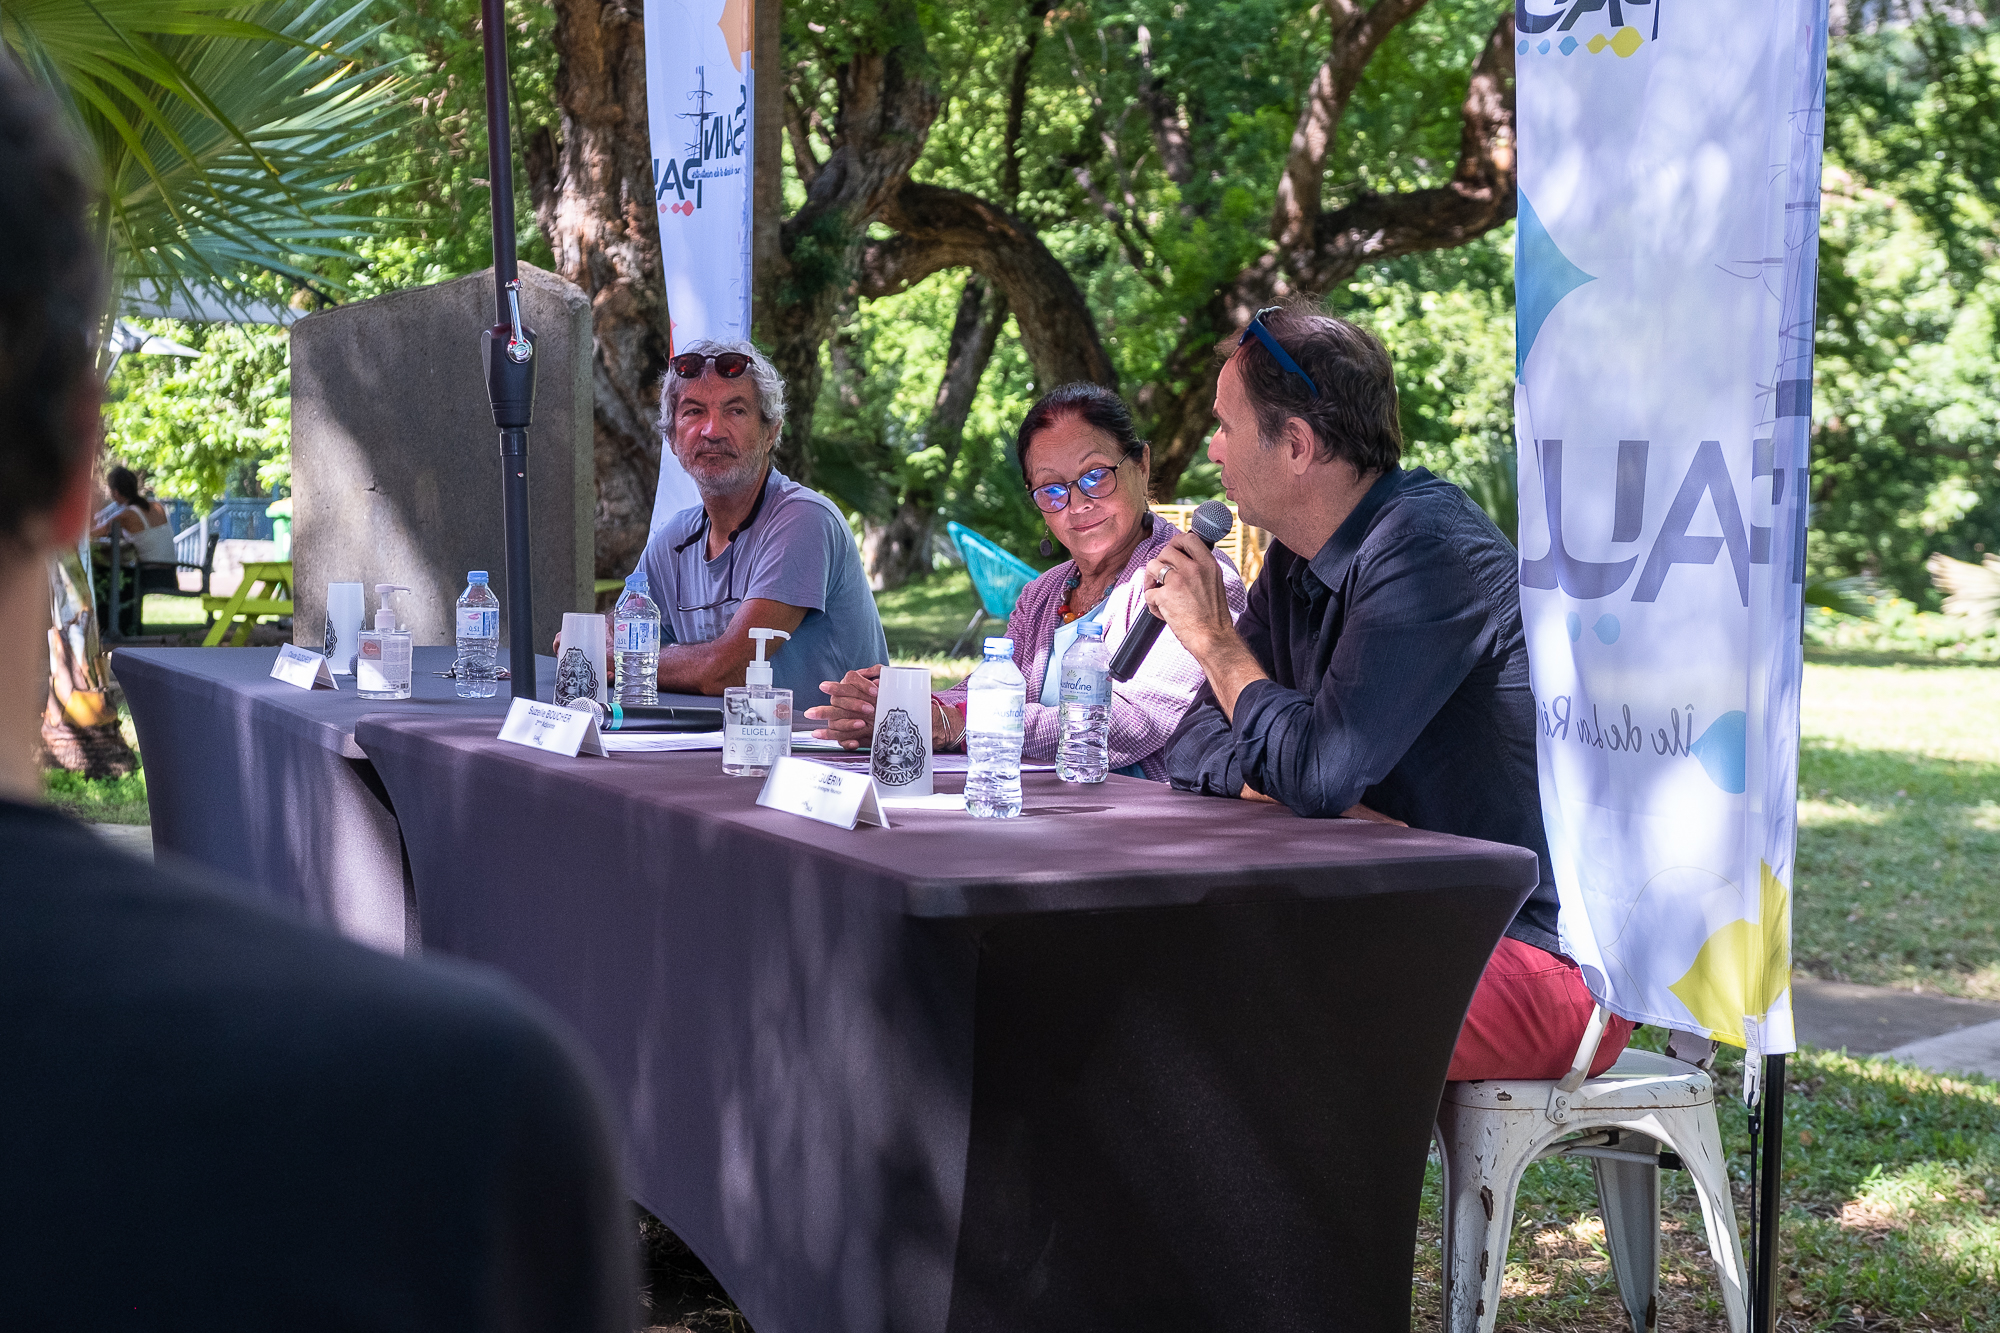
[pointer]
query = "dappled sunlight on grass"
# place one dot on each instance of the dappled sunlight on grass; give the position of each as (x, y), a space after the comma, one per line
(1899, 827)
(1891, 1212)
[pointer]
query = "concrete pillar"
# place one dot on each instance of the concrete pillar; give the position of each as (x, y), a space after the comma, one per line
(396, 462)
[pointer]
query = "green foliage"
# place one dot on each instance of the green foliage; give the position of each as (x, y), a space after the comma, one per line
(1905, 450)
(1892, 625)
(203, 427)
(431, 178)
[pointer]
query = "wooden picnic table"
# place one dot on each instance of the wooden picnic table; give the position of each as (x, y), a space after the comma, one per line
(266, 590)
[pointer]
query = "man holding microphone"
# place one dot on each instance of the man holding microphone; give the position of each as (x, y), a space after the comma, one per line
(1381, 660)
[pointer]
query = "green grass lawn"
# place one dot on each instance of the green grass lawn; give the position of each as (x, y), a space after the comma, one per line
(1899, 826)
(161, 609)
(923, 620)
(105, 801)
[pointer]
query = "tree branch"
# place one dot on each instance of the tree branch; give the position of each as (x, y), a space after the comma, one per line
(804, 160)
(940, 229)
(1357, 34)
(1479, 197)
(1169, 134)
(1017, 102)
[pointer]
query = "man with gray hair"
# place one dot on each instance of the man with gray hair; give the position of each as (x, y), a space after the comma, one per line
(760, 551)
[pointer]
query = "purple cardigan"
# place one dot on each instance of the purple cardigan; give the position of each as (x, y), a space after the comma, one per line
(1144, 709)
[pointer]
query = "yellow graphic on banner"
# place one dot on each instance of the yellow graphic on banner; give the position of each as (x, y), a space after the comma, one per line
(1742, 968)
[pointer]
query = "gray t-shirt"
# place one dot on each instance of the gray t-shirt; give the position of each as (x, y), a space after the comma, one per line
(796, 550)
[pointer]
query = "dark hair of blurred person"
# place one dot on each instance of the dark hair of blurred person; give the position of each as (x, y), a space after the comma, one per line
(216, 1117)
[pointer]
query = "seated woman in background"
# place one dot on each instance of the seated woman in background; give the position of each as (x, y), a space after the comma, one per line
(1086, 470)
(142, 520)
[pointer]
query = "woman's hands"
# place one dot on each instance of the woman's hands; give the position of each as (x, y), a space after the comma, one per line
(850, 717)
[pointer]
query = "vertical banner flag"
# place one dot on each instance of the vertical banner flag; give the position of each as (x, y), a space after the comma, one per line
(699, 96)
(1666, 257)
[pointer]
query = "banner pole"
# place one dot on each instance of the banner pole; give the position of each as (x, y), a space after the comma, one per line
(1764, 1312)
(507, 350)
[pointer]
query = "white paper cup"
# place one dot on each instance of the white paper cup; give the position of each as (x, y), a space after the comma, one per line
(343, 626)
(901, 752)
(580, 669)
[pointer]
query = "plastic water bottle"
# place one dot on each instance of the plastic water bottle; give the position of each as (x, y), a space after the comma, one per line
(635, 643)
(478, 639)
(1083, 753)
(994, 701)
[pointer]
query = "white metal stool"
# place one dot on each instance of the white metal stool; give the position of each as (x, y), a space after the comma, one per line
(1489, 1131)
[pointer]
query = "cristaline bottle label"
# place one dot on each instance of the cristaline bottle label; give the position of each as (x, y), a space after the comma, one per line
(993, 712)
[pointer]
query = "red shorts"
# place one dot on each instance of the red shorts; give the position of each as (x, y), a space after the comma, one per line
(1528, 1016)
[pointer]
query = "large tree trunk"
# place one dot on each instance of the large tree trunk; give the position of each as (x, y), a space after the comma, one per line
(593, 195)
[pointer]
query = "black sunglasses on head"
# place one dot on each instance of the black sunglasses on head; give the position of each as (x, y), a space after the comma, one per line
(1263, 335)
(729, 365)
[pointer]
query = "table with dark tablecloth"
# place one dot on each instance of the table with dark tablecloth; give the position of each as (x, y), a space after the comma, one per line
(1136, 1060)
(262, 782)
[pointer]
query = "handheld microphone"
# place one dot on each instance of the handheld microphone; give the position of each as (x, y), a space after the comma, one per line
(1211, 522)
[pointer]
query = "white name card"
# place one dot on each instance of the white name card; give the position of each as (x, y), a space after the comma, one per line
(822, 792)
(302, 667)
(564, 731)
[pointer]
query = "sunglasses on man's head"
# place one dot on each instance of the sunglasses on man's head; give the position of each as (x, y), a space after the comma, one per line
(1263, 335)
(689, 365)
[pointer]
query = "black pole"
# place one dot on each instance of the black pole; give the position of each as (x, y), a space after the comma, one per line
(508, 351)
(1764, 1312)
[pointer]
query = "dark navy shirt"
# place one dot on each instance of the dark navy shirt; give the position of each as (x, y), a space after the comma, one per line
(1398, 678)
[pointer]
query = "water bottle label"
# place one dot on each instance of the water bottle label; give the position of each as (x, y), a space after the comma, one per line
(635, 636)
(993, 712)
(478, 622)
(1091, 688)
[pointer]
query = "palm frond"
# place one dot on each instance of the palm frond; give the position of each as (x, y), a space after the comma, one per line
(226, 132)
(1971, 591)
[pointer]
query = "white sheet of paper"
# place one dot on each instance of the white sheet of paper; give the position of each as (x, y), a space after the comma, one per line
(302, 667)
(564, 731)
(823, 792)
(657, 742)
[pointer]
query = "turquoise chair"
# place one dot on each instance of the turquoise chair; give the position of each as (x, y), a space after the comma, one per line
(997, 577)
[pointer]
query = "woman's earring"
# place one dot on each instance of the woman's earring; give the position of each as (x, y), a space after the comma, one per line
(1048, 548)
(1147, 523)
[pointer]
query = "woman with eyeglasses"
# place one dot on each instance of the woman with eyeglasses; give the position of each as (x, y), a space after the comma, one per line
(1086, 470)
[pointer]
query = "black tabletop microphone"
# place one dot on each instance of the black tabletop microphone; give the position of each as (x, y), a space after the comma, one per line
(1211, 522)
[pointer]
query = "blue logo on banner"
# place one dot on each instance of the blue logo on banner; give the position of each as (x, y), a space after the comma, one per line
(1721, 752)
(1543, 276)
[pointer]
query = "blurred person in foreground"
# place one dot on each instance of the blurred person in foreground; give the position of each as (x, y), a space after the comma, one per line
(216, 1118)
(1382, 657)
(760, 551)
(1086, 470)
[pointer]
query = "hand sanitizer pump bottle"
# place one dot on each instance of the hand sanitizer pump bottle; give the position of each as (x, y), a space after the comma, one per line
(383, 655)
(756, 719)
